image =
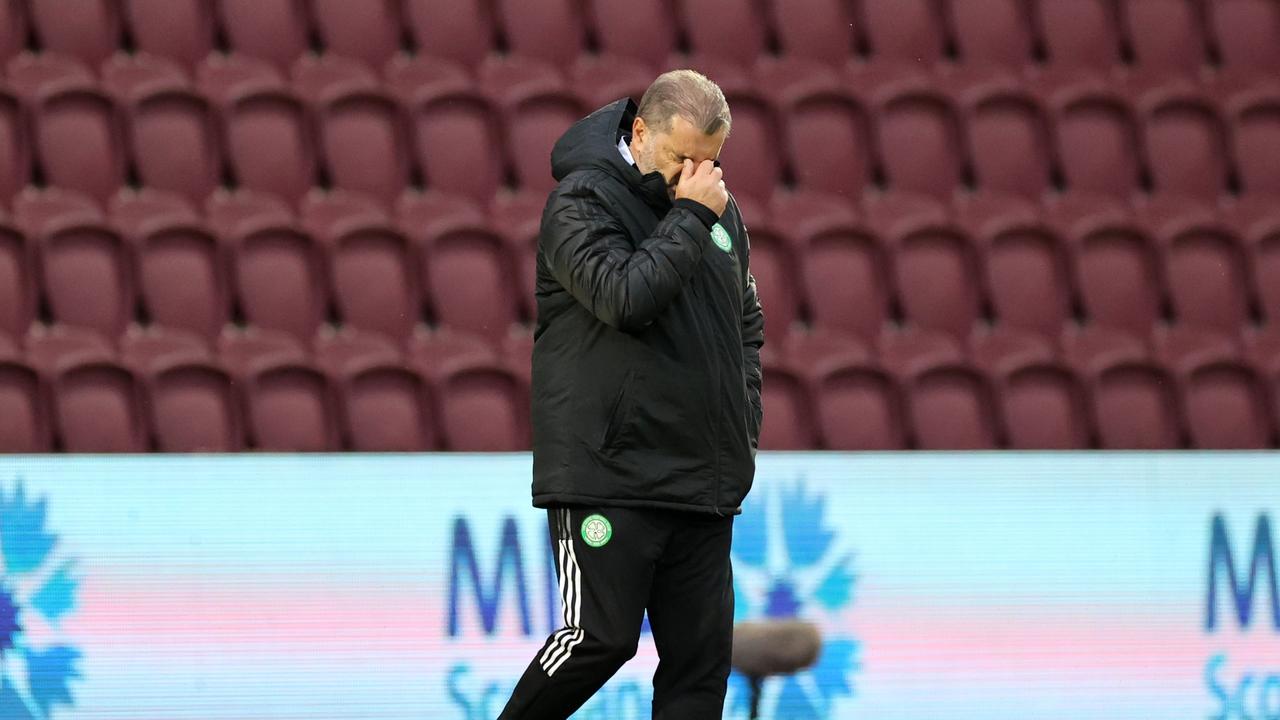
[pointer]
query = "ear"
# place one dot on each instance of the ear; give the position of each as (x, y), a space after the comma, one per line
(639, 131)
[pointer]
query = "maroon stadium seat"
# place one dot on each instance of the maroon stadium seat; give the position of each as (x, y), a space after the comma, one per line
(24, 409)
(1097, 142)
(952, 407)
(1118, 278)
(98, 406)
(223, 78)
(732, 30)
(1027, 277)
(549, 30)
(80, 142)
(936, 276)
(365, 144)
(1080, 33)
(135, 212)
(127, 77)
(33, 75)
(459, 30)
(1226, 407)
(292, 407)
(87, 276)
(195, 406)
(1167, 36)
(342, 351)
(1044, 407)
(598, 80)
(1181, 346)
(17, 281)
(90, 33)
(272, 30)
(1009, 141)
(270, 144)
(50, 346)
(772, 265)
(369, 31)
(279, 278)
(992, 32)
(15, 147)
(36, 211)
(828, 138)
(484, 408)
(906, 350)
(997, 348)
(640, 31)
(919, 142)
(533, 125)
(1255, 139)
(241, 352)
(1186, 145)
(13, 29)
(1207, 275)
(1246, 34)
(439, 352)
(751, 157)
(1135, 407)
(372, 268)
(182, 278)
(821, 30)
(904, 31)
(509, 79)
(227, 213)
(858, 406)
(458, 144)
(146, 348)
(1264, 260)
(317, 78)
(181, 30)
(388, 409)
(413, 77)
(469, 281)
(788, 421)
(1088, 347)
(167, 119)
(844, 271)
(520, 235)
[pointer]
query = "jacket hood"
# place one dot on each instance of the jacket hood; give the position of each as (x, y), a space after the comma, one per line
(592, 142)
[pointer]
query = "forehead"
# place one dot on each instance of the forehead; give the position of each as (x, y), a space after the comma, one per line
(685, 139)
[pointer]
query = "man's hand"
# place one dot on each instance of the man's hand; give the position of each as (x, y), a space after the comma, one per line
(704, 185)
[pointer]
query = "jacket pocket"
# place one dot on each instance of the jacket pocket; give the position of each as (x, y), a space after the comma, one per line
(619, 412)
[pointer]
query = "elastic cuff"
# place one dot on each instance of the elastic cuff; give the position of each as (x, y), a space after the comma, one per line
(700, 211)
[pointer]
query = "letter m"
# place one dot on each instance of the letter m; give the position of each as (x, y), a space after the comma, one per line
(465, 567)
(1242, 589)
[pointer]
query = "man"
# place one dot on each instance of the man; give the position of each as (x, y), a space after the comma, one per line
(646, 400)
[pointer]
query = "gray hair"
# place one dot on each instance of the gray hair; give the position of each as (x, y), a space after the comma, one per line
(689, 94)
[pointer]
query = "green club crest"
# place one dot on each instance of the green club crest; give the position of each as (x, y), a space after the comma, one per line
(596, 531)
(720, 237)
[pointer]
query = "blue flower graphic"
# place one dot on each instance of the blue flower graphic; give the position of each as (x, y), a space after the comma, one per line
(788, 563)
(34, 681)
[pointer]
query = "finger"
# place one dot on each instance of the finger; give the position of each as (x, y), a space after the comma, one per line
(717, 173)
(687, 171)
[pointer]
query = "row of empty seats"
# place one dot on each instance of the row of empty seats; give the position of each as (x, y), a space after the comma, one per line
(166, 391)
(420, 127)
(452, 392)
(346, 261)
(1157, 35)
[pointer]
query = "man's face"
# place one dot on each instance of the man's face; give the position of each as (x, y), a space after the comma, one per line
(665, 152)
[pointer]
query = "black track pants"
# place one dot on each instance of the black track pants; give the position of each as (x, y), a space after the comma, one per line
(613, 564)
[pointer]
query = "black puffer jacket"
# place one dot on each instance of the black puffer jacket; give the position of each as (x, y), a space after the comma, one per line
(646, 360)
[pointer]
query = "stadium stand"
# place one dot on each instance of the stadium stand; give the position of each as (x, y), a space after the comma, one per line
(311, 225)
